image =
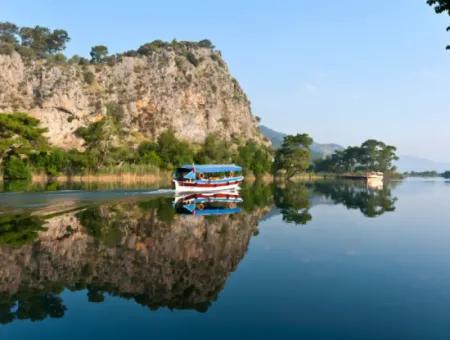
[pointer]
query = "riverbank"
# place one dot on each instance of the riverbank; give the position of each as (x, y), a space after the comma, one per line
(163, 177)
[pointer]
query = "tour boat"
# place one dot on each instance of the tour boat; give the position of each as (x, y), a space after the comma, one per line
(207, 177)
(210, 203)
(375, 175)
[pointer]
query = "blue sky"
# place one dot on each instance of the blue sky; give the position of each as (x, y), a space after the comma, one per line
(343, 71)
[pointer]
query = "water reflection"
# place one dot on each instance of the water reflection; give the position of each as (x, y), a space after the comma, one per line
(372, 201)
(135, 249)
(296, 199)
(293, 200)
(208, 204)
(160, 252)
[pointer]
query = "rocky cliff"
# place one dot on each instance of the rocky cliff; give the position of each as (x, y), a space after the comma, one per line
(184, 87)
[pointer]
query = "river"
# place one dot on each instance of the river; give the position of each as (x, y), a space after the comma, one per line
(320, 260)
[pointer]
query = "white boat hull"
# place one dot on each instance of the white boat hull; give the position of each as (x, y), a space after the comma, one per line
(184, 188)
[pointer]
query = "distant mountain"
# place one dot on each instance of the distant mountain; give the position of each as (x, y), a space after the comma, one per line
(318, 150)
(412, 163)
(275, 137)
(405, 163)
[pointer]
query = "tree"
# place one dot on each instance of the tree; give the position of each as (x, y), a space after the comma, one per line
(213, 150)
(56, 42)
(446, 174)
(172, 151)
(99, 140)
(206, 43)
(43, 41)
(254, 157)
(148, 153)
(16, 168)
(441, 6)
(98, 53)
(372, 155)
(8, 37)
(20, 136)
(294, 156)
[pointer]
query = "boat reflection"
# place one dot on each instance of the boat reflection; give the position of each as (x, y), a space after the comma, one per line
(136, 249)
(208, 204)
(158, 252)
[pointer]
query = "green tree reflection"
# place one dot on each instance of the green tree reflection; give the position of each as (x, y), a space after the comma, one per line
(19, 229)
(354, 195)
(256, 195)
(293, 201)
(30, 305)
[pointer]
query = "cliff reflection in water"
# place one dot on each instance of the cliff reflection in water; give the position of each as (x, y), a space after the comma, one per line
(146, 251)
(135, 249)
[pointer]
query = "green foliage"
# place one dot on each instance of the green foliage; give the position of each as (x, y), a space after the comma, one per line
(254, 157)
(205, 43)
(192, 58)
(32, 41)
(294, 203)
(446, 174)
(441, 6)
(98, 53)
(172, 151)
(20, 136)
(429, 173)
(115, 110)
(149, 48)
(294, 156)
(102, 228)
(162, 206)
(8, 37)
(89, 77)
(15, 168)
(17, 185)
(372, 155)
(99, 137)
(17, 230)
(52, 162)
(148, 154)
(30, 305)
(371, 203)
(256, 195)
(213, 150)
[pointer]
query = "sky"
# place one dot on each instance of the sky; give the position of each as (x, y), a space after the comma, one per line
(342, 71)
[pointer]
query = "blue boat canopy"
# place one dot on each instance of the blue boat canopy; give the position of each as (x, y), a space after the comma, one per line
(211, 168)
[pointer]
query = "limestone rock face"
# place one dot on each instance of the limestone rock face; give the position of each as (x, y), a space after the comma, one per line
(163, 90)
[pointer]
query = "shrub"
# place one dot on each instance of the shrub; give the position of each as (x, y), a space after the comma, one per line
(255, 158)
(15, 168)
(115, 110)
(173, 151)
(89, 77)
(213, 150)
(192, 58)
(206, 43)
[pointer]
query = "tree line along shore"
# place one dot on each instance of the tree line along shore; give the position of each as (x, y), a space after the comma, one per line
(24, 151)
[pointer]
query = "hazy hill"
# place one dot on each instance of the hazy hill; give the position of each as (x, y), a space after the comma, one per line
(412, 163)
(318, 150)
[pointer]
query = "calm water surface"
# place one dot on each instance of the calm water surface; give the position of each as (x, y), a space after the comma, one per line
(333, 260)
